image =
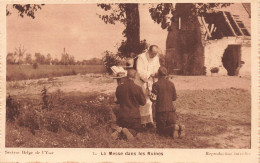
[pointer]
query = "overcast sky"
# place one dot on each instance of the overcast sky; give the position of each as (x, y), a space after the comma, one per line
(77, 28)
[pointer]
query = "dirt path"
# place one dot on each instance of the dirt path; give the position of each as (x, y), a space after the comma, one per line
(105, 84)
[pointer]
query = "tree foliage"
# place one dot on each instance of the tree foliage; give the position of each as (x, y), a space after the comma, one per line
(117, 13)
(10, 58)
(55, 61)
(19, 52)
(110, 59)
(39, 58)
(164, 13)
(28, 58)
(92, 61)
(48, 59)
(17, 57)
(161, 13)
(25, 9)
(123, 49)
(67, 59)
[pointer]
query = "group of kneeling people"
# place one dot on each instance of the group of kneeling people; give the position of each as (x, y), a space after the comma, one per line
(136, 113)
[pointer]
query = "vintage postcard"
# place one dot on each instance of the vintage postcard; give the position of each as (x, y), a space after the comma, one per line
(129, 81)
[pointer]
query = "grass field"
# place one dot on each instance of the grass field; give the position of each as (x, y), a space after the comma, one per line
(216, 112)
(24, 72)
(82, 120)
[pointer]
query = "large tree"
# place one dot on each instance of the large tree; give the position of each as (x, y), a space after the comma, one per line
(162, 13)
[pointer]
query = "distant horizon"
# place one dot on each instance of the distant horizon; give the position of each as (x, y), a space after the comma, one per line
(77, 28)
(33, 56)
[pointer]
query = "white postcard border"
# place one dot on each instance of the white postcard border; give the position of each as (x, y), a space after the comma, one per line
(169, 155)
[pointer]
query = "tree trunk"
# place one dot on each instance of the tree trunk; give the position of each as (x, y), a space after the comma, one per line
(132, 31)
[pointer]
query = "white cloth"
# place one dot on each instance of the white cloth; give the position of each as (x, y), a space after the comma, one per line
(145, 68)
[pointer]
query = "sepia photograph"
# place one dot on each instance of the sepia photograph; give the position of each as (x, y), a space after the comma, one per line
(128, 75)
(129, 80)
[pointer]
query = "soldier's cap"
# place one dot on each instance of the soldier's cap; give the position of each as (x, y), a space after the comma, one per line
(162, 71)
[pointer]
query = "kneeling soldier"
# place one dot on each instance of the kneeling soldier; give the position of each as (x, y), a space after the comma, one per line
(130, 96)
(165, 113)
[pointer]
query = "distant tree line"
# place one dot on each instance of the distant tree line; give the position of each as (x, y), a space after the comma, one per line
(19, 56)
(93, 61)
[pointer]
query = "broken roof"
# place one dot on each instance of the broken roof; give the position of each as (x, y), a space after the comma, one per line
(230, 21)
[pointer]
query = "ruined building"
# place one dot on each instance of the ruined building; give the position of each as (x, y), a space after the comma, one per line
(218, 42)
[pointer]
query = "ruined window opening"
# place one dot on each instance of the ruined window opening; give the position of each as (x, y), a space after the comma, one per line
(232, 59)
(223, 24)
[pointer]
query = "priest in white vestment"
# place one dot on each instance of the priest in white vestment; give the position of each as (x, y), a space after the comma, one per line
(147, 67)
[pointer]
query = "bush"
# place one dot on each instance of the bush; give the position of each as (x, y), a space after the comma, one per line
(30, 118)
(12, 108)
(80, 115)
(47, 100)
(124, 51)
(110, 59)
(73, 72)
(35, 65)
(51, 124)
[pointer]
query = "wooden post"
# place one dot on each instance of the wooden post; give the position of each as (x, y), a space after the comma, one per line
(215, 29)
(225, 16)
(211, 28)
(206, 36)
(237, 26)
(204, 24)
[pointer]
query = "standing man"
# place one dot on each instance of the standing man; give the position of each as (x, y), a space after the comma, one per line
(147, 66)
(130, 96)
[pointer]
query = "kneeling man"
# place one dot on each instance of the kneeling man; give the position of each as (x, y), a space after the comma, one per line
(165, 113)
(130, 96)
